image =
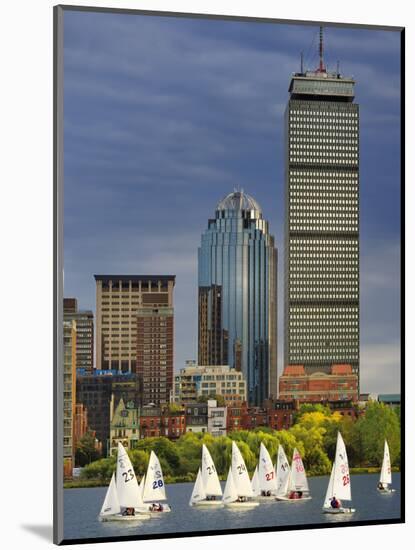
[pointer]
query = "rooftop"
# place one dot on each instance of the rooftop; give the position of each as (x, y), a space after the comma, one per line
(126, 278)
(238, 200)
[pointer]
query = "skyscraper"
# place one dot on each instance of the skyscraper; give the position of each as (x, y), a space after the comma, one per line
(321, 321)
(155, 354)
(84, 332)
(118, 299)
(69, 395)
(237, 267)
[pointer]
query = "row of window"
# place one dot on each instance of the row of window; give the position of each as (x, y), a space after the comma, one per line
(322, 175)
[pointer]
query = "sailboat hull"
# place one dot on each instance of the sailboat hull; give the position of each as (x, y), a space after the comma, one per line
(242, 505)
(386, 491)
(287, 499)
(262, 498)
(120, 517)
(339, 510)
(166, 508)
(208, 504)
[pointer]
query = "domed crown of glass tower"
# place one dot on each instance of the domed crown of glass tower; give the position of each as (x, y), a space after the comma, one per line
(238, 200)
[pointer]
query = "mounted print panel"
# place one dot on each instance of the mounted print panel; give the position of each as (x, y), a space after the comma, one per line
(228, 214)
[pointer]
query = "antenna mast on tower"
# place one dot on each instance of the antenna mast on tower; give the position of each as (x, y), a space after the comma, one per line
(321, 68)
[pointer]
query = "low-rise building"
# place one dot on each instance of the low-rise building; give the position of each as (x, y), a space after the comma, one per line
(217, 417)
(391, 399)
(195, 381)
(280, 414)
(341, 384)
(196, 417)
(165, 421)
(124, 427)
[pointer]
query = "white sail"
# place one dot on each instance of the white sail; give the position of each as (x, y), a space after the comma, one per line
(386, 472)
(127, 487)
(256, 489)
(111, 504)
(198, 493)
(329, 492)
(240, 473)
(141, 486)
(266, 472)
(298, 479)
(229, 494)
(209, 475)
(341, 482)
(283, 473)
(154, 489)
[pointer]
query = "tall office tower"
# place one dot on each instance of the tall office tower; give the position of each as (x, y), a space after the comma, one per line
(118, 298)
(155, 354)
(322, 222)
(69, 396)
(84, 332)
(237, 266)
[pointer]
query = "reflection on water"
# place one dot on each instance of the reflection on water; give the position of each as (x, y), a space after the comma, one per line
(82, 506)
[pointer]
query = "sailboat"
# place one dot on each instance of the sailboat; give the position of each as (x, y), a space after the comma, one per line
(154, 490)
(339, 484)
(295, 484)
(385, 473)
(266, 475)
(256, 489)
(238, 487)
(123, 498)
(283, 471)
(207, 483)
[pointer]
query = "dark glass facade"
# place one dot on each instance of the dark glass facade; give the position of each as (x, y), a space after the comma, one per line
(237, 266)
(322, 223)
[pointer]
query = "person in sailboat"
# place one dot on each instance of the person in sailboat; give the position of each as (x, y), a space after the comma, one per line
(381, 486)
(241, 499)
(335, 502)
(128, 512)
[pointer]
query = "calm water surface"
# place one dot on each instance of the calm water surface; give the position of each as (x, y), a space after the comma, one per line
(82, 506)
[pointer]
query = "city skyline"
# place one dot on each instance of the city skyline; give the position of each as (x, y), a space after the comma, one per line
(192, 156)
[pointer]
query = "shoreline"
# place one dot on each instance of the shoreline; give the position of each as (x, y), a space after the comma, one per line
(90, 483)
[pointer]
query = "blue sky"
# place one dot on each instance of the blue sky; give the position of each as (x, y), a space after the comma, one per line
(164, 116)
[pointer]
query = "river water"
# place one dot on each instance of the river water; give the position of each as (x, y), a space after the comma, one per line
(82, 506)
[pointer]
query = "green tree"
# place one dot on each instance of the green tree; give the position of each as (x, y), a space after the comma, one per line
(86, 451)
(100, 469)
(220, 400)
(139, 460)
(310, 407)
(378, 423)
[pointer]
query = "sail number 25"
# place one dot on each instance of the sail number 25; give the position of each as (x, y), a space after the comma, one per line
(346, 480)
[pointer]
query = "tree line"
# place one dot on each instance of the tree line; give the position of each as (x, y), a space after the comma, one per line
(313, 433)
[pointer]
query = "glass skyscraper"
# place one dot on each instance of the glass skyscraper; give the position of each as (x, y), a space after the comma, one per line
(237, 266)
(321, 320)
